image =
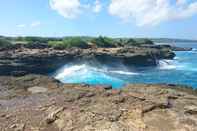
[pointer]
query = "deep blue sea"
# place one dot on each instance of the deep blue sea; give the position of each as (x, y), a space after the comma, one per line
(181, 70)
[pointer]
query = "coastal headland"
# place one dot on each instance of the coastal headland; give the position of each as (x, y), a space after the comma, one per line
(30, 100)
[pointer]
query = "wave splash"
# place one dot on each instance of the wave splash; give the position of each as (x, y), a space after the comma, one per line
(176, 64)
(89, 74)
(194, 49)
(68, 70)
(167, 65)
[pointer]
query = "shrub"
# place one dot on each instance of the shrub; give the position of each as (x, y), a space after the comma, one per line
(138, 42)
(103, 42)
(5, 43)
(57, 44)
(68, 43)
(144, 42)
(35, 39)
(75, 42)
(131, 42)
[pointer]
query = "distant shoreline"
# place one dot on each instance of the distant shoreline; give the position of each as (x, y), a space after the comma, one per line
(168, 40)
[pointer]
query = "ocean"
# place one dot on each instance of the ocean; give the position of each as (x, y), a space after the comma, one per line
(181, 70)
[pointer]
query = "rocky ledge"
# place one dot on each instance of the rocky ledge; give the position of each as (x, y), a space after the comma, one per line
(23, 60)
(40, 103)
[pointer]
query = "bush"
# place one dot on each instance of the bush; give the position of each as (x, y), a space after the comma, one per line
(131, 42)
(68, 43)
(75, 42)
(103, 42)
(138, 42)
(57, 44)
(144, 42)
(35, 39)
(5, 43)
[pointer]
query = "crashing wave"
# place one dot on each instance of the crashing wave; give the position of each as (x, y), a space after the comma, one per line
(194, 49)
(124, 72)
(85, 69)
(84, 73)
(68, 70)
(167, 65)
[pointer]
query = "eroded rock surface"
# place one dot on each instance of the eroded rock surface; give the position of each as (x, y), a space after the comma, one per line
(22, 60)
(72, 107)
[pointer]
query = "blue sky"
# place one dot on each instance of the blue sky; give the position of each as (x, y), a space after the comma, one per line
(115, 18)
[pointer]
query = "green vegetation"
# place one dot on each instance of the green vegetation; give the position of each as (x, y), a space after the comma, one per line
(5, 43)
(103, 42)
(36, 39)
(75, 42)
(144, 42)
(133, 42)
(69, 42)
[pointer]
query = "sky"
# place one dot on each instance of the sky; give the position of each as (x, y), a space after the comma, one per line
(114, 18)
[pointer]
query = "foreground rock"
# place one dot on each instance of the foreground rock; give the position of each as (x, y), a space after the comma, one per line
(70, 107)
(21, 60)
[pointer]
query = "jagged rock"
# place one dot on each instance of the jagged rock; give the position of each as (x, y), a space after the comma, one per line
(76, 107)
(191, 110)
(181, 49)
(38, 59)
(106, 87)
(18, 127)
(53, 115)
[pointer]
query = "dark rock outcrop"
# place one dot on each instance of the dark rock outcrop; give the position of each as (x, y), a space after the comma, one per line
(41, 59)
(181, 48)
(174, 48)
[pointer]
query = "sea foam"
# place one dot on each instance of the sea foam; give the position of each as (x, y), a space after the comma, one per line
(167, 65)
(68, 70)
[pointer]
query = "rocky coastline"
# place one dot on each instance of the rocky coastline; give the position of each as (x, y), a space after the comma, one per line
(22, 60)
(30, 100)
(41, 103)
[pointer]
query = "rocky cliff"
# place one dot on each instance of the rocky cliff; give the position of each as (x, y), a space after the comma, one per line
(44, 60)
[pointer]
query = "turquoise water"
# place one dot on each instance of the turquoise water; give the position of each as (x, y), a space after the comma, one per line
(181, 70)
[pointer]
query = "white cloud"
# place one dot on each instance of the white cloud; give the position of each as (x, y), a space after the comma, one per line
(35, 24)
(97, 6)
(68, 8)
(21, 26)
(152, 12)
(71, 9)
